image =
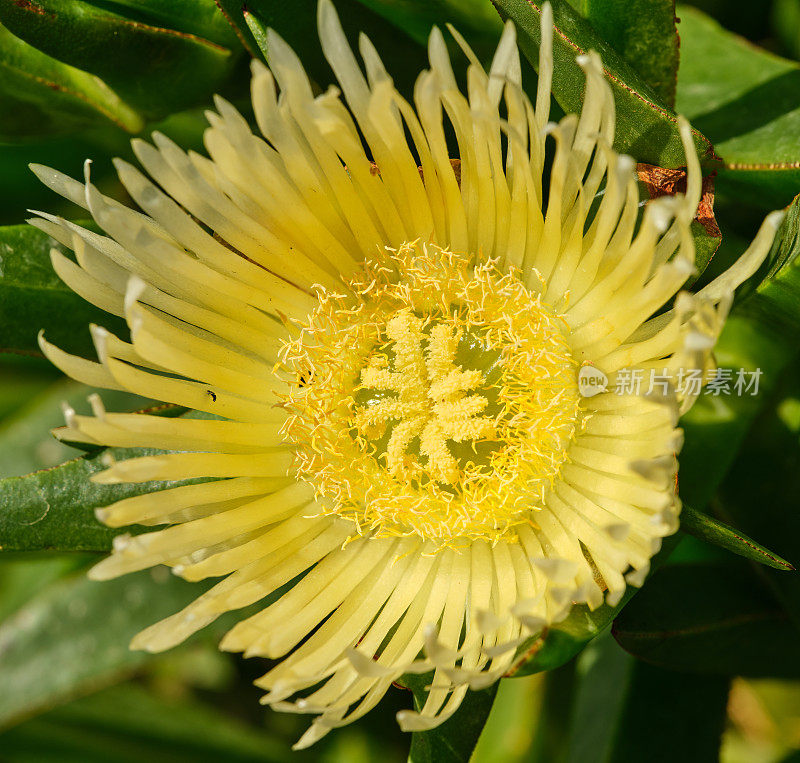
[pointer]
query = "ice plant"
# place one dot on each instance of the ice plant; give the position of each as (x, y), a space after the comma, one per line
(382, 348)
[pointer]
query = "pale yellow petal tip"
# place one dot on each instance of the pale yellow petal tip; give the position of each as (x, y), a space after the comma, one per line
(42, 342)
(410, 720)
(590, 62)
(138, 644)
(62, 433)
(326, 11)
(547, 15)
(775, 219)
(103, 570)
(42, 171)
(231, 643)
(151, 640)
(313, 734)
(258, 68)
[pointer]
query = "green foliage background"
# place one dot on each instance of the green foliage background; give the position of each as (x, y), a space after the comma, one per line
(702, 663)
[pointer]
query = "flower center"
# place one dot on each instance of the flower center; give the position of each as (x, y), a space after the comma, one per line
(431, 400)
(434, 397)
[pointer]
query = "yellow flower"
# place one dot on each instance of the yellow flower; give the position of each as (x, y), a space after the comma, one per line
(386, 349)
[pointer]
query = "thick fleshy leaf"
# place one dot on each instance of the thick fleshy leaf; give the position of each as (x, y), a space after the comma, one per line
(74, 637)
(710, 619)
(42, 97)
(602, 678)
(677, 701)
(296, 22)
(202, 18)
(617, 699)
(21, 377)
(26, 442)
(646, 126)
(767, 507)
(33, 297)
(139, 725)
(475, 19)
(455, 739)
(23, 576)
(786, 24)
(513, 722)
(154, 68)
(713, 531)
(53, 509)
(745, 100)
(643, 32)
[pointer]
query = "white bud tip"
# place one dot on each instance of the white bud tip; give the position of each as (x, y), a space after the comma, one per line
(69, 413)
(99, 338)
(136, 287)
(626, 164)
(695, 341)
(98, 409)
(684, 266)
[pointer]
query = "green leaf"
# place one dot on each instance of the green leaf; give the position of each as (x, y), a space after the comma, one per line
(786, 24)
(53, 509)
(156, 69)
(202, 18)
(33, 297)
(643, 32)
(552, 727)
(21, 377)
(745, 100)
(713, 531)
(455, 739)
(26, 443)
(767, 506)
(513, 722)
(618, 697)
(646, 126)
(603, 674)
(23, 576)
(296, 23)
(74, 638)
(127, 724)
(710, 619)
(41, 97)
(678, 701)
(476, 20)
(775, 301)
